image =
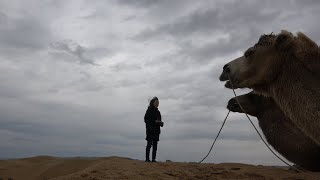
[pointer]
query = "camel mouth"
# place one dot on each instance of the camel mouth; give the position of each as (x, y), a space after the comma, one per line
(224, 76)
(228, 85)
(231, 86)
(234, 106)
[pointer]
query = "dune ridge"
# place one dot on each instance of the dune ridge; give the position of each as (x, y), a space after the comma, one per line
(82, 168)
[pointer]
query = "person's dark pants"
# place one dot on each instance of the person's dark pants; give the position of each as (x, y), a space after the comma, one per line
(154, 144)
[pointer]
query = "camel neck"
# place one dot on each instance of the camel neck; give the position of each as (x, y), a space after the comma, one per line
(297, 93)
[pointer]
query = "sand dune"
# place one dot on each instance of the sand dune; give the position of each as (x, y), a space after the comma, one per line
(46, 167)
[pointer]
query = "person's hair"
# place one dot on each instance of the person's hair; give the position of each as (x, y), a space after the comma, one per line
(152, 101)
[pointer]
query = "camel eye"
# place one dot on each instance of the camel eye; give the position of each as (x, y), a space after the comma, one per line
(248, 53)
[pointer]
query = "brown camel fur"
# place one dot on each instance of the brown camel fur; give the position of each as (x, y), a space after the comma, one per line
(279, 130)
(307, 51)
(277, 67)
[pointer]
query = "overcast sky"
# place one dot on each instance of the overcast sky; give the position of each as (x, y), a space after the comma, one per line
(77, 75)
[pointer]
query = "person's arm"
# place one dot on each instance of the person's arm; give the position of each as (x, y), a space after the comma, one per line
(159, 119)
(147, 116)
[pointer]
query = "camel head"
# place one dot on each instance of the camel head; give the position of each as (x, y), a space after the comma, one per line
(253, 104)
(260, 64)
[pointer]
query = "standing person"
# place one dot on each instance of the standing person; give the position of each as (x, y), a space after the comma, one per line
(152, 118)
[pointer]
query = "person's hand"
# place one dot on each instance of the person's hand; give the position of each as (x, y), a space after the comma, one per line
(162, 124)
(159, 122)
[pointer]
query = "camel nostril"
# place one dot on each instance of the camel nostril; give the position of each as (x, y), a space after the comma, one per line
(226, 68)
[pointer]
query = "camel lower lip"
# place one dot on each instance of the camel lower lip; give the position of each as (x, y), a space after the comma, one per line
(228, 84)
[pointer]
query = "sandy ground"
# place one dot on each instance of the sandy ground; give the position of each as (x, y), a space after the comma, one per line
(45, 167)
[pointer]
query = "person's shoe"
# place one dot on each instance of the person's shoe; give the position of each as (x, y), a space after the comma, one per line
(147, 160)
(154, 160)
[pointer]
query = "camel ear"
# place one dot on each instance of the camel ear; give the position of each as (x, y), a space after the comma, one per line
(284, 41)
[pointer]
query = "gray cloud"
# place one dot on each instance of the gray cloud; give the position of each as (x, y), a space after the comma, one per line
(3, 19)
(138, 3)
(213, 20)
(23, 33)
(125, 67)
(74, 49)
(242, 23)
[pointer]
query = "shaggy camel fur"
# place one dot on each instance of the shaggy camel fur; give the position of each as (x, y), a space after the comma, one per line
(279, 130)
(277, 67)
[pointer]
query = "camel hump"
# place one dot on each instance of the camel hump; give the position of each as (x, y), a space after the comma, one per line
(308, 52)
(302, 48)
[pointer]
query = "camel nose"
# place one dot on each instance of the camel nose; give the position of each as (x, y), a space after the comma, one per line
(232, 102)
(225, 73)
(233, 105)
(226, 68)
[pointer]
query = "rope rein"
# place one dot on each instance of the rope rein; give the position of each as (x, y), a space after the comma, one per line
(225, 119)
(258, 134)
(257, 129)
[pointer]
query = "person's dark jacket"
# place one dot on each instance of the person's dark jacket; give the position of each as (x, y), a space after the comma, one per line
(153, 128)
